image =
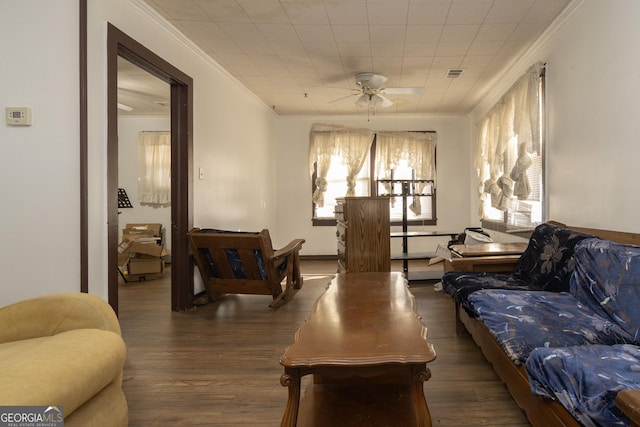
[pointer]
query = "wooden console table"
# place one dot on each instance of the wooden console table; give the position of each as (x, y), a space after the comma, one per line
(363, 338)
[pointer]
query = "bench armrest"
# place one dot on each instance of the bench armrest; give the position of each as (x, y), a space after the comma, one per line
(628, 401)
(293, 246)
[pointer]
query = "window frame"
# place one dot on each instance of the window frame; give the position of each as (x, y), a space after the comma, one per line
(373, 191)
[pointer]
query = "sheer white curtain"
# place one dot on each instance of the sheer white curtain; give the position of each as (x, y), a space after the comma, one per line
(418, 149)
(353, 147)
(154, 167)
(326, 141)
(502, 165)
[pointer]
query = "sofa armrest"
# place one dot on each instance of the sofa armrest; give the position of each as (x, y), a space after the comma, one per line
(52, 314)
(628, 401)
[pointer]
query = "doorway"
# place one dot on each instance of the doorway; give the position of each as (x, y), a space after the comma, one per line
(144, 150)
(181, 88)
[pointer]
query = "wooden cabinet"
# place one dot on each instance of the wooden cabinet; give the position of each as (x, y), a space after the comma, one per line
(363, 234)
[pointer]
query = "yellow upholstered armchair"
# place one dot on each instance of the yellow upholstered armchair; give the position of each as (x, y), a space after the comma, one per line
(64, 349)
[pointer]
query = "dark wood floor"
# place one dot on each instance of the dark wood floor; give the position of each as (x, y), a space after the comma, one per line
(217, 365)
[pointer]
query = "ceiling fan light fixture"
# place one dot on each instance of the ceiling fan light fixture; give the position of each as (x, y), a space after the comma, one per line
(372, 93)
(363, 101)
(371, 101)
(376, 101)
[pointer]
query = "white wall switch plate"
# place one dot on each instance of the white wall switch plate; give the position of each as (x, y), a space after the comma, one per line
(18, 116)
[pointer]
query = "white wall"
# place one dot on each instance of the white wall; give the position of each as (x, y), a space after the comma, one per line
(294, 183)
(232, 132)
(39, 164)
(593, 82)
(128, 130)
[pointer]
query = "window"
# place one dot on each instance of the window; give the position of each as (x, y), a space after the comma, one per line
(337, 186)
(154, 168)
(510, 157)
(348, 162)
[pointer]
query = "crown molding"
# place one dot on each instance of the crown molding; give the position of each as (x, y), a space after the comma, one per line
(166, 25)
(524, 61)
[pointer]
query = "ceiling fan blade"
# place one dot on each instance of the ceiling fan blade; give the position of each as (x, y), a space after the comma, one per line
(344, 97)
(403, 90)
(386, 102)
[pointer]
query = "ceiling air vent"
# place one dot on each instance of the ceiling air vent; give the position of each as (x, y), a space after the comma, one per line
(454, 73)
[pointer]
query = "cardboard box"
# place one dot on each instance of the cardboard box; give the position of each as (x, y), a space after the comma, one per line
(151, 248)
(136, 231)
(442, 253)
(123, 252)
(141, 251)
(146, 266)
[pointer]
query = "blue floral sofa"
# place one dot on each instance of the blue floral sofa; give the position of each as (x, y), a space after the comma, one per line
(562, 331)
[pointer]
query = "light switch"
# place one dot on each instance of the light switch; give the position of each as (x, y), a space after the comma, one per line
(201, 173)
(18, 116)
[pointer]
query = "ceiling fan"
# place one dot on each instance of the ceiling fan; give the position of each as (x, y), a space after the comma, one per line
(371, 92)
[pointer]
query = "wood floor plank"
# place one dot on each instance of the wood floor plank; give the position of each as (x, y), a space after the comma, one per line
(217, 365)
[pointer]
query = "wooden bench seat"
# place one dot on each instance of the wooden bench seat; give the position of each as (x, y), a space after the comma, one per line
(232, 262)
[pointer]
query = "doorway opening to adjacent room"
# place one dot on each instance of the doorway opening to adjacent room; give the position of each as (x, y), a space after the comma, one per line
(181, 88)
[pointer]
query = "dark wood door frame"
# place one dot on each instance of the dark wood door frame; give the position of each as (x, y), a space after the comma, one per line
(120, 44)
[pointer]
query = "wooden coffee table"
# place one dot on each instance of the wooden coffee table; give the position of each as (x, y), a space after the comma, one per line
(363, 338)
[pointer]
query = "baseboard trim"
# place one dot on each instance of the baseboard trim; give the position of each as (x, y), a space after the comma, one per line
(318, 257)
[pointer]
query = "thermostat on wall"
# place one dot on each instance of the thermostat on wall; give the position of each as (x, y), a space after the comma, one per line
(18, 116)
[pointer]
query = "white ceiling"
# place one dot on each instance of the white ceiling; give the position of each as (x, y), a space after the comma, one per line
(298, 55)
(145, 94)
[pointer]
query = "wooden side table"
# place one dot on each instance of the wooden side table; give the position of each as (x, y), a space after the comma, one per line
(487, 257)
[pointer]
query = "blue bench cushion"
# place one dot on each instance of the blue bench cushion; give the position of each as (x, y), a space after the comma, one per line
(607, 279)
(523, 320)
(586, 379)
(233, 257)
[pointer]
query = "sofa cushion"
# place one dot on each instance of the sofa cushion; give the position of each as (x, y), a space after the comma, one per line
(607, 279)
(66, 369)
(460, 284)
(586, 379)
(548, 262)
(523, 320)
